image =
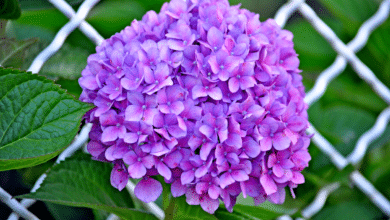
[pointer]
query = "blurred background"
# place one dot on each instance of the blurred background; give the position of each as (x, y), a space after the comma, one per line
(348, 108)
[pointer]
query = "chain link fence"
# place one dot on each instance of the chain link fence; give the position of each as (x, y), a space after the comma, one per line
(346, 55)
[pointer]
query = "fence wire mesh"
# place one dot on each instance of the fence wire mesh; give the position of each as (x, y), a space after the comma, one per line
(346, 54)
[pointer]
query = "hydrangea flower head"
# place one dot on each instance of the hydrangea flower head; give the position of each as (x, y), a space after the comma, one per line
(206, 96)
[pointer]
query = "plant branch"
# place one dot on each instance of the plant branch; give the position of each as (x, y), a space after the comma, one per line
(79, 141)
(15, 205)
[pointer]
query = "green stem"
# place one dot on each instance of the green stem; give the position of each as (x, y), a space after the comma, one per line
(3, 24)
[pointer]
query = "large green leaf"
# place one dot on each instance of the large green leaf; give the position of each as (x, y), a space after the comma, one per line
(348, 210)
(345, 89)
(62, 212)
(9, 9)
(260, 212)
(342, 125)
(67, 63)
(377, 52)
(37, 119)
(112, 16)
(179, 209)
(38, 4)
(82, 182)
(315, 53)
(13, 52)
(352, 13)
(50, 19)
(378, 166)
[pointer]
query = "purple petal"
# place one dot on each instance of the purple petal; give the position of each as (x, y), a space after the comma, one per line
(209, 205)
(177, 107)
(137, 170)
(111, 133)
(234, 84)
(133, 113)
(225, 180)
(176, 131)
(130, 158)
(148, 190)
(198, 91)
(296, 123)
(277, 197)
(232, 158)
(281, 141)
(234, 140)
(239, 175)
(163, 132)
(265, 144)
(95, 148)
(177, 189)
(215, 93)
(108, 153)
(214, 64)
(278, 170)
(206, 130)
(214, 191)
(298, 178)
(271, 160)
(164, 170)
(173, 159)
(149, 115)
(268, 184)
(187, 177)
(158, 121)
(252, 148)
(130, 138)
(205, 150)
(247, 82)
(201, 187)
(88, 82)
(215, 38)
(135, 98)
(119, 177)
(148, 161)
(108, 118)
(192, 198)
(201, 171)
(177, 45)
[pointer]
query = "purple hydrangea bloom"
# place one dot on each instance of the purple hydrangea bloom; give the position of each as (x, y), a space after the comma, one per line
(205, 95)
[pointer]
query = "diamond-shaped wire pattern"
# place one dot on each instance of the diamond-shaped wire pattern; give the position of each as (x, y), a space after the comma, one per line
(346, 55)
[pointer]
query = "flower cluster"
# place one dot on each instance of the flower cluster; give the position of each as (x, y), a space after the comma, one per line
(206, 96)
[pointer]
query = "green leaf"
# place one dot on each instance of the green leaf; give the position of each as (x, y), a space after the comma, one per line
(263, 212)
(352, 13)
(345, 89)
(100, 214)
(13, 52)
(38, 4)
(10, 9)
(62, 212)
(180, 209)
(315, 53)
(110, 17)
(71, 86)
(377, 52)
(378, 167)
(225, 215)
(348, 210)
(82, 182)
(37, 119)
(50, 19)
(67, 63)
(342, 125)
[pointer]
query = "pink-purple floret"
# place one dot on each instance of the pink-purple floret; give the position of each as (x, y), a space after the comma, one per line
(205, 95)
